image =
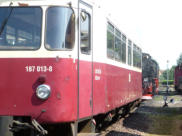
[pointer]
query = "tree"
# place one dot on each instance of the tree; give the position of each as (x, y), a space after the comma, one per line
(170, 74)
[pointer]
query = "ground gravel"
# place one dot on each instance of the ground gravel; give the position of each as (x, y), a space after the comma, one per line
(151, 118)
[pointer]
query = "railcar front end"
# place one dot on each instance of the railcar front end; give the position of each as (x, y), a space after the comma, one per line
(38, 61)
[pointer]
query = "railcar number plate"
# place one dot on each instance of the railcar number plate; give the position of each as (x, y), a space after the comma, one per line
(38, 69)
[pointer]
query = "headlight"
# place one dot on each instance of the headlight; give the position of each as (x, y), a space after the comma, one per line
(43, 91)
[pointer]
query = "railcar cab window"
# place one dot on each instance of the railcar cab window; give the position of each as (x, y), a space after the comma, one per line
(85, 33)
(60, 28)
(20, 28)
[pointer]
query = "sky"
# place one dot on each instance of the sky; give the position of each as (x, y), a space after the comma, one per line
(154, 25)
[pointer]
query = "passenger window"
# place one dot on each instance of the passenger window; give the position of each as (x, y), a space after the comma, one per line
(129, 52)
(85, 33)
(134, 55)
(118, 54)
(110, 41)
(123, 48)
(137, 56)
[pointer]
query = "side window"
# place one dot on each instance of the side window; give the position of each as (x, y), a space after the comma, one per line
(118, 55)
(116, 47)
(110, 41)
(137, 56)
(129, 52)
(85, 33)
(134, 55)
(123, 48)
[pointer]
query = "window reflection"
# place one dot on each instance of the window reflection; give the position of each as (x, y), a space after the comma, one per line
(22, 28)
(110, 41)
(129, 52)
(85, 33)
(60, 28)
(137, 56)
(123, 44)
(118, 51)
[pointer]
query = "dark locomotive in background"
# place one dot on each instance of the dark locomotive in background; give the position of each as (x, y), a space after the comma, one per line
(150, 75)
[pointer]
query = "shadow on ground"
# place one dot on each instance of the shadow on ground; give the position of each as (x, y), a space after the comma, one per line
(116, 133)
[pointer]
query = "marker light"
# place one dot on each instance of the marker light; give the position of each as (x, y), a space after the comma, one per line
(43, 91)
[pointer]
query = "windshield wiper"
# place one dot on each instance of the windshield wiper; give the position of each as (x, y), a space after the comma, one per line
(5, 22)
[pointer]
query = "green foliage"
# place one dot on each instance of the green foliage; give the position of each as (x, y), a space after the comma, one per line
(170, 74)
(170, 82)
(170, 71)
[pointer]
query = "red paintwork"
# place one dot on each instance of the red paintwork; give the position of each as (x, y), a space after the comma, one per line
(156, 80)
(17, 88)
(85, 89)
(113, 87)
(148, 89)
(177, 75)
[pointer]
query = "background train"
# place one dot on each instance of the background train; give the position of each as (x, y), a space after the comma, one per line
(150, 76)
(178, 78)
(65, 65)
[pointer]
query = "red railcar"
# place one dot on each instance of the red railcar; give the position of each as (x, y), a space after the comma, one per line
(63, 62)
(178, 78)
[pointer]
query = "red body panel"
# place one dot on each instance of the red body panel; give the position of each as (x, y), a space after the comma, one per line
(114, 89)
(17, 89)
(177, 75)
(85, 89)
(111, 88)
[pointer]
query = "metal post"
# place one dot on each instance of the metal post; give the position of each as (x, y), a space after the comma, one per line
(167, 77)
